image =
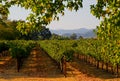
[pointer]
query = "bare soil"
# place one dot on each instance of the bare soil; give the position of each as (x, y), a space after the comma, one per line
(40, 67)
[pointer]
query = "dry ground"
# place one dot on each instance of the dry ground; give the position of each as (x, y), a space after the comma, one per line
(40, 67)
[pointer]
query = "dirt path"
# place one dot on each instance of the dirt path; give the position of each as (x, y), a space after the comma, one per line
(40, 67)
(37, 67)
(83, 71)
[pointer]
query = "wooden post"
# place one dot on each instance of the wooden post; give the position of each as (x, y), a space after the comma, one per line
(18, 64)
(112, 69)
(97, 64)
(102, 65)
(107, 67)
(64, 65)
(117, 69)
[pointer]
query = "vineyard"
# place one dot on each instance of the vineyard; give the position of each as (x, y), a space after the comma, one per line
(18, 50)
(62, 51)
(88, 50)
(29, 50)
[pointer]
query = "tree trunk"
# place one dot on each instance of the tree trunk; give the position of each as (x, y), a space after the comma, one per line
(18, 64)
(102, 65)
(107, 67)
(117, 69)
(98, 64)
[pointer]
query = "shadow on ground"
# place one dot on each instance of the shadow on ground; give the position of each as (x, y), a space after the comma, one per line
(37, 65)
(89, 70)
(40, 65)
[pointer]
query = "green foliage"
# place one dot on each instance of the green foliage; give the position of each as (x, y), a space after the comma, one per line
(8, 30)
(73, 36)
(58, 37)
(17, 52)
(69, 54)
(17, 48)
(3, 46)
(42, 11)
(3, 11)
(57, 48)
(20, 48)
(80, 37)
(89, 47)
(6, 33)
(74, 44)
(109, 29)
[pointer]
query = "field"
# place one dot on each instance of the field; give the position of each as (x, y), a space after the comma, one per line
(44, 61)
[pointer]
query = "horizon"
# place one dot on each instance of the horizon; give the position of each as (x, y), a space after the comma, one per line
(74, 29)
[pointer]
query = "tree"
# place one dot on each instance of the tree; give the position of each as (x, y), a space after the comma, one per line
(58, 37)
(42, 11)
(3, 12)
(7, 33)
(80, 37)
(42, 34)
(73, 36)
(109, 29)
(54, 36)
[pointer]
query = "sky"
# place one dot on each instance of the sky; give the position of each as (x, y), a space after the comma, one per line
(71, 20)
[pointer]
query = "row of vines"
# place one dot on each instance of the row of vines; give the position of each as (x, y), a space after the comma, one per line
(87, 49)
(18, 49)
(60, 51)
(90, 50)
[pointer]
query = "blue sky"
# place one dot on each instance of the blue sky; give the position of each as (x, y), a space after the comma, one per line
(71, 20)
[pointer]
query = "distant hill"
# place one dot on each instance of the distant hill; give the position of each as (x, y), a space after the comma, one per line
(87, 33)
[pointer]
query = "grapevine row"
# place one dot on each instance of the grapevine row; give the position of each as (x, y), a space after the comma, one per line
(88, 48)
(18, 49)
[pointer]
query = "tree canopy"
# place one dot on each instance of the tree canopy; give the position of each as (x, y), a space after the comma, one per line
(109, 29)
(42, 11)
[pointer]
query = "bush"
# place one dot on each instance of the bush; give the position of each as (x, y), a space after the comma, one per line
(69, 54)
(3, 46)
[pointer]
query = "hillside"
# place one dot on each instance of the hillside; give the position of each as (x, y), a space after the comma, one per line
(87, 33)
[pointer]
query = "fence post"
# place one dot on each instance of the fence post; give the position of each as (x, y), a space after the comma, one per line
(64, 65)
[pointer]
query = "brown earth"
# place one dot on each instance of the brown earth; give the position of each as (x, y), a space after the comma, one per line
(40, 67)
